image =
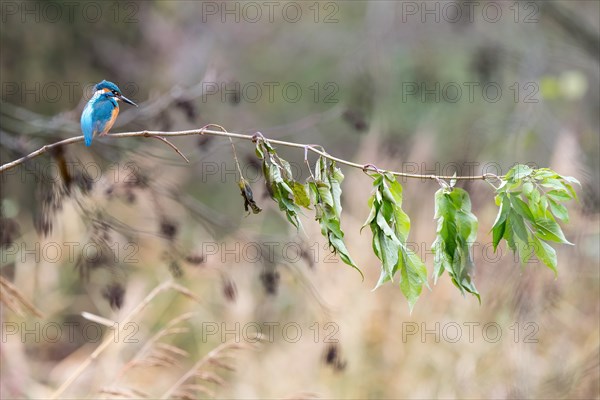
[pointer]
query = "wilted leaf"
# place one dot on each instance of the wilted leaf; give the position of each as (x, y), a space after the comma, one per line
(456, 232)
(249, 202)
(390, 227)
(325, 190)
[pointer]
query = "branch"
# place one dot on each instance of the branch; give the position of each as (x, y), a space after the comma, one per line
(203, 131)
(173, 147)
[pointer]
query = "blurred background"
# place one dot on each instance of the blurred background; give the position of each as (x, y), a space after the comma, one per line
(431, 87)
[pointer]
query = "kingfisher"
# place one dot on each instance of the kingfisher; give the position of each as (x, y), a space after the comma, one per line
(101, 111)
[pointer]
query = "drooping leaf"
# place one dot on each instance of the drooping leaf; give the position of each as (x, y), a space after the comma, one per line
(550, 230)
(390, 227)
(545, 253)
(529, 202)
(456, 232)
(282, 187)
(300, 194)
(249, 203)
(326, 191)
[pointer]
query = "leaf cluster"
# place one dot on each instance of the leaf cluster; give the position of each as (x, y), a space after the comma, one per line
(456, 232)
(530, 201)
(322, 191)
(326, 192)
(390, 227)
(282, 187)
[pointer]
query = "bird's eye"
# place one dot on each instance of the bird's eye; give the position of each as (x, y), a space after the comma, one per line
(115, 92)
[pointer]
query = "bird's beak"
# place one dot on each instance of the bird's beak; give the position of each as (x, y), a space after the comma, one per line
(126, 100)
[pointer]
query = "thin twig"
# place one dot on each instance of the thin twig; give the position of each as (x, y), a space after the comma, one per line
(235, 157)
(173, 147)
(204, 131)
(307, 163)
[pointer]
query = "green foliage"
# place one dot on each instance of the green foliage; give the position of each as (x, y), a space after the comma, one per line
(325, 190)
(390, 227)
(280, 182)
(530, 200)
(456, 232)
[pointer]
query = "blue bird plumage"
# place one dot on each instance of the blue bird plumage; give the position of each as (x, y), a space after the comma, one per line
(101, 111)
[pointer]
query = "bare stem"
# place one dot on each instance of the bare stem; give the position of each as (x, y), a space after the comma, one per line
(232, 135)
(110, 338)
(173, 147)
(212, 356)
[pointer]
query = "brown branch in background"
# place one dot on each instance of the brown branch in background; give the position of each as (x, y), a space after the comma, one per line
(231, 135)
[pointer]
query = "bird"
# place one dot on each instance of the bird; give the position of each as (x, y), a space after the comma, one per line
(101, 110)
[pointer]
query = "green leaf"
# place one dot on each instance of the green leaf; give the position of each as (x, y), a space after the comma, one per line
(521, 171)
(558, 195)
(300, 195)
(518, 226)
(571, 180)
(335, 180)
(390, 227)
(413, 275)
(280, 189)
(559, 210)
(498, 233)
(550, 230)
(521, 208)
(499, 226)
(467, 223)
(372, 213)
(456, 232)
(389, 248)
(545, 253)
(556, 185)
(326, 191)
(527, 188)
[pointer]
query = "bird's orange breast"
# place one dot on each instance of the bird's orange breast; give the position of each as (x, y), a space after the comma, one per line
(111, 121)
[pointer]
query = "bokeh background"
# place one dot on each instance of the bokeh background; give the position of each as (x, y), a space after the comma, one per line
(422, 87)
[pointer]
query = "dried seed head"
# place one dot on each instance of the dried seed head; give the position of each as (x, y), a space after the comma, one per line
(9, 231)
(195, 259)
(332, 357)
(307, 256)
(114, 293)
(229, 290)
(270, 281)
(50, 199)
(357, 119)
(135, 178)
(175, 269)
(83, 181)
(168, 228)
(164, 121)
(130, 196)
(188, 109)
(204, 141)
